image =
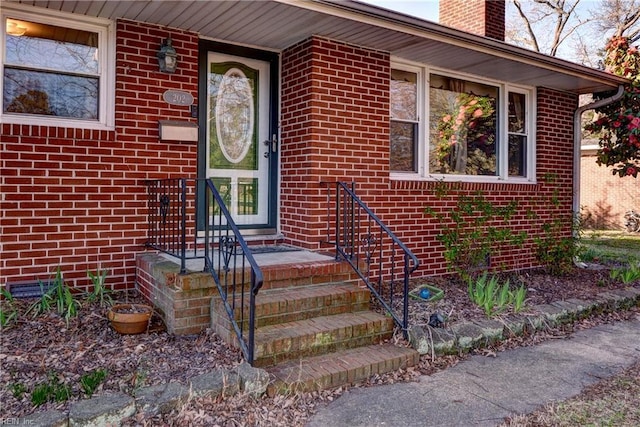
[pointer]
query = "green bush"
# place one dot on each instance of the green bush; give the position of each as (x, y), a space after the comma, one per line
(626, 274)
(475, 229)
(100, 293)
(558, 243)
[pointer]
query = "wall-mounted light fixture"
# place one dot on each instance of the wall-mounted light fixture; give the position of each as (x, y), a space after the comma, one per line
(167, 57)
(15, 29)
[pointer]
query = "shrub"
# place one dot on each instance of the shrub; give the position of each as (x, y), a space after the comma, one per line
(473, 230)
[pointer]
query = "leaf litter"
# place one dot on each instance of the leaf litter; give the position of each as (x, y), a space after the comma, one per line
(35, 347)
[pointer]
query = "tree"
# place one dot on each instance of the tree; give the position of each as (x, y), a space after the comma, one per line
(611, 18)
(568, 28)
(623, 16)
(32, 102)
(618, 127)
(547, 24)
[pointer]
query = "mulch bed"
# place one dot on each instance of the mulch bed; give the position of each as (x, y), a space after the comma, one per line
(542, 288)
(33, 349)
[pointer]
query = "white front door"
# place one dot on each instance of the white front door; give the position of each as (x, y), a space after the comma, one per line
(241, 145)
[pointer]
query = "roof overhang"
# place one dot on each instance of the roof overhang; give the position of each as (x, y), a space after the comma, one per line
(278, 24)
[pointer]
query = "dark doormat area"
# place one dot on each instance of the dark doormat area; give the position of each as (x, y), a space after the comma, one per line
(271, 249)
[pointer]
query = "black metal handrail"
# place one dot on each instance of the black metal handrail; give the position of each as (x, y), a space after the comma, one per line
(173, 225)
(373, 251)
(228, 267)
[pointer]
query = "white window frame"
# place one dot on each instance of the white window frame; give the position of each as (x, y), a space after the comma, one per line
(420, 113)
(530, 126)
(106, 73)
(503, 147)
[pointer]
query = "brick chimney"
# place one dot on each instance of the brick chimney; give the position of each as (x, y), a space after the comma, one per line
(481, 17)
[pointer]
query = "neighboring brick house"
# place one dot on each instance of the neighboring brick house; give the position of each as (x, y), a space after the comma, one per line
(604, 197)
(333, 83)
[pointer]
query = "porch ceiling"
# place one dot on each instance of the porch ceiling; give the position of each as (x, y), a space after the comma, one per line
(277, 24)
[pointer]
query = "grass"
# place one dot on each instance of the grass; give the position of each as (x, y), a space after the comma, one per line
(611, 247)
(616, 400)
(611, 402)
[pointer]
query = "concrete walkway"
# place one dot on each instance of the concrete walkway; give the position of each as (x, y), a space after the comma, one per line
(482, 391)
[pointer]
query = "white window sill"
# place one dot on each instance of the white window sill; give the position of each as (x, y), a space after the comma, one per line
(397, 176)
(54, 121)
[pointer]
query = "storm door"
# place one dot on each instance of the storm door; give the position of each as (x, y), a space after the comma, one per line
(241, 137)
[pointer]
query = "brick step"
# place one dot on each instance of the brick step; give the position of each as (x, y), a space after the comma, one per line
(275, 306)
(324, 334)
(295, 274)
(340, 368)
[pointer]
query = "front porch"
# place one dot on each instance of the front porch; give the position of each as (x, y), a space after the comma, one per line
(314, 328)
(184, 300)
(304, 315)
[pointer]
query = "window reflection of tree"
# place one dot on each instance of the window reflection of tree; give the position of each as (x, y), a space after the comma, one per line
(517, 134)
(34, 101)
(64, 71)
(68, 96)
(234, 116)
(404, 121)
(463, 127)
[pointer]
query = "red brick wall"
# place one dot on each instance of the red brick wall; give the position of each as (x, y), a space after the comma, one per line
(335, 127)
(76, 198)
(482, 17)
(605, 197)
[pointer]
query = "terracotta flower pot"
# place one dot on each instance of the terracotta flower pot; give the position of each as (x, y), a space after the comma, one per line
(130, 318)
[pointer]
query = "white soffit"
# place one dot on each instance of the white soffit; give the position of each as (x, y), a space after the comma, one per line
(278, 24)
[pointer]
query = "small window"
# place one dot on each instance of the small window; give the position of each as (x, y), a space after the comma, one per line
(404, 121)
(518, 134)
(55, 71)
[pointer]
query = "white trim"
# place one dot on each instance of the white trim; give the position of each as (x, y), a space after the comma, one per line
(420, 110)
(531, 119)
(423, 174)
(589, 150)
(107, 50)
(383, 18)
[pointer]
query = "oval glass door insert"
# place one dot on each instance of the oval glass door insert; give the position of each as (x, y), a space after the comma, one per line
(234, 115)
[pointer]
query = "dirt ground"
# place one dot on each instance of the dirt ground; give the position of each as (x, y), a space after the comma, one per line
(37, 350)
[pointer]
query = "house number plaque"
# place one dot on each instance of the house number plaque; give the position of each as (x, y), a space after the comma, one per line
(177, 97)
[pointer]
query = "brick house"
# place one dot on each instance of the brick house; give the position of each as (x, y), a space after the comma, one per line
(340, 91)
(604, 197)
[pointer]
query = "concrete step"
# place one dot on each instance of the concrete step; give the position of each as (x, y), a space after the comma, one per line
(340, 368)
(324, 334)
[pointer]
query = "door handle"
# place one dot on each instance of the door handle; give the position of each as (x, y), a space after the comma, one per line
(273, 143)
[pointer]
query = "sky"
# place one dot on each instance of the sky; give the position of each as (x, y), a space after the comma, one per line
(428, 9)
(425, 9)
